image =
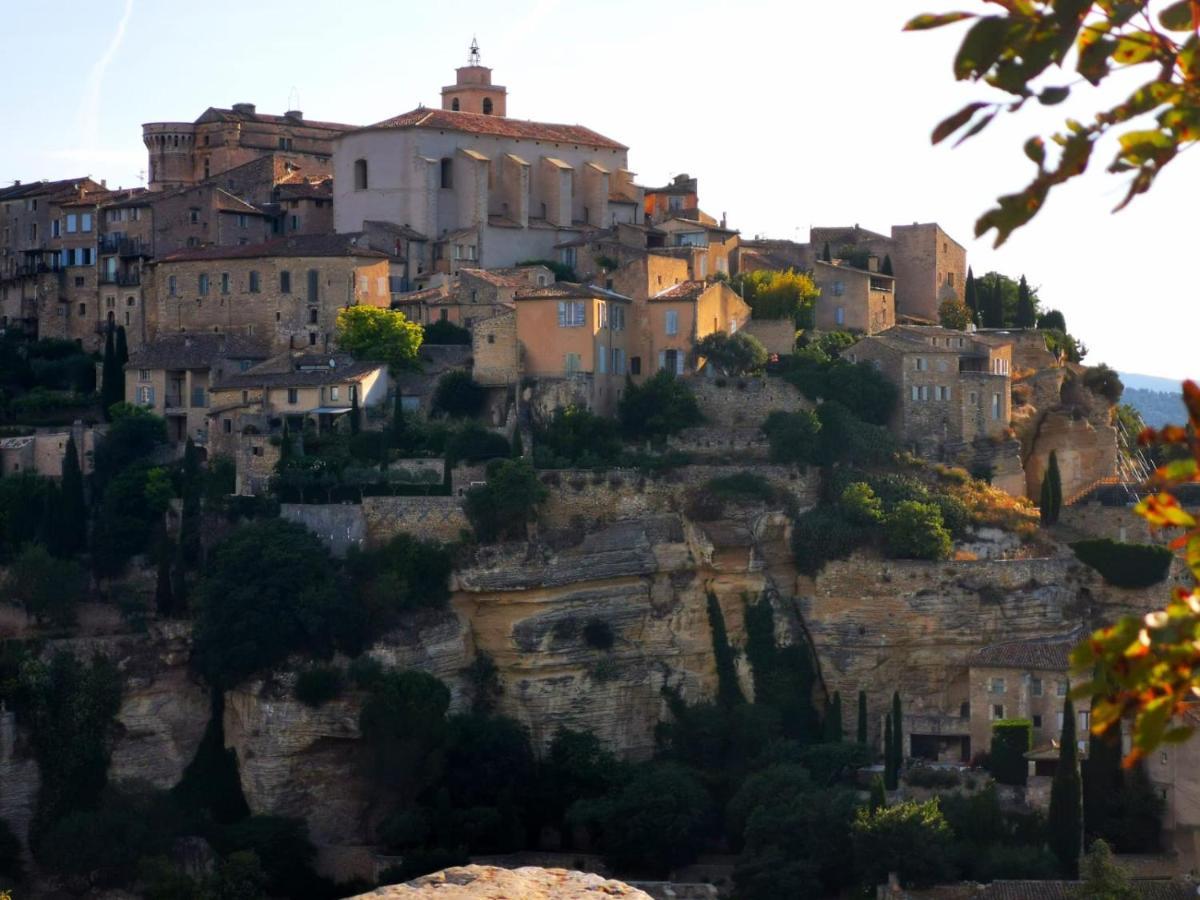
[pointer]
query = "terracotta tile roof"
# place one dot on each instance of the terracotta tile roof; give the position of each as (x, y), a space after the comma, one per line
(320, 190)
(475, 123)
(46, 188)
(1066, 890)
(294, 245)
(843, 235)
(685, 290)
(300, 370)
(568, 289)
(1050, 653)
(495, 279)
(403, 231)
(195, 350)
(227, 202)
(426, 296)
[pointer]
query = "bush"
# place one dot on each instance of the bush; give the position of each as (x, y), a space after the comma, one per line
(858, 386)
(742, 486)
(1125, 565)
(1011, 740)
(575, 436)
(458, 395)
(48, 589)
(954, 314)
(821, 535)
(911, 839)
(283, 849)
(404, 574)
(1104, 381)
(382, 335)
(932, 777)
(732, 354)
(659, 407)
(446, 332)
(318, 685)
(794, 437)
(846, 438)
(915, 531)
(859, 505)
(502, 507)
(473, 443)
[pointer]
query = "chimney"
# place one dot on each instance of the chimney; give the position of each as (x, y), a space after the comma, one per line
(722, 219)
(294, 114)
(246, 109)
(104, 183)
(17, 182)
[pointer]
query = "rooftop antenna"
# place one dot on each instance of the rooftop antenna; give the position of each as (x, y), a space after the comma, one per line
(293, 98)
(473, 59)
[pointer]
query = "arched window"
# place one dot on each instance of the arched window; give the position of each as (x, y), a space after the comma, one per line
(487, 106)
(360, 174)
(454, 104)
(447, 172)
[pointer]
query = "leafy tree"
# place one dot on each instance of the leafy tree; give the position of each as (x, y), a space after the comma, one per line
(473, 443)
(794, 436)
(1013, 50)
(859, 504)
(971, 294)
(991, 302)
(1052, 320)
(1011, 740)
(23, 499)
(1125, 565)
(134, 434)
(1026, 311)
(861, 731)
(1103, 877)
(778, 295)
(916, 531)
(268, 591)
(575, 767)
(404, 574)
(130, 515)
(446, 332)
(660, 406)
(886, 268)
(403, 722)
(46, 588)
(729, 692)
(503, 507)
(1104, 381)
(458, 395)
(71, 527)
(732, 354)
(282, 848)
(576, 435)
(955, 314)
(112, 388)
(1051, 493)
(910, 838)
(380, 335)
(1065, 821)
(823, 534)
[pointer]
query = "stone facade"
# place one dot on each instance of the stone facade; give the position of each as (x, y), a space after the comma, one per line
(776, 335)
(853, 299)
(496, 350)
(745, 402)
(44, 451)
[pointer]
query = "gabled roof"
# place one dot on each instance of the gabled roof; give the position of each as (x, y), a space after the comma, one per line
(1052, 653)
(45, 188)
(217, 114)
(402, 231)
(500, 126)
(570, 290)
(303, 369)
(231, 203)
(844, 234)
(332, 245)
(685, 290)
(495, 279)
(195, 350)
(318, 190)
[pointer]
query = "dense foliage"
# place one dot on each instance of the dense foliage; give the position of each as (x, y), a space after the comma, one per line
(732, 354)
(1123, 564)
(458, 395)
(502, 508)
(1011, 740)
(379, 335)
(660, 406)
(445, 332)
(778, 295)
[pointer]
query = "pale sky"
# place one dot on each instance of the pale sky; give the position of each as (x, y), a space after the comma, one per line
(791, 114)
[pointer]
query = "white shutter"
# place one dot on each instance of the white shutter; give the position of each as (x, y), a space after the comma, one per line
(662, 359)
(602, 360)
(679, 363)
(562, 313)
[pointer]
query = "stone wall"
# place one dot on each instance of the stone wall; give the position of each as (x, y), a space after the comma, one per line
(744, 402)
(339, 526)
(777, 335)
(496, 352)
(430, 518)
(743, 444)
(1086, 450)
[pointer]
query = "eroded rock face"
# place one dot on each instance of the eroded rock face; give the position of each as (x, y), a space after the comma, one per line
(491, 883)
(1086, 450)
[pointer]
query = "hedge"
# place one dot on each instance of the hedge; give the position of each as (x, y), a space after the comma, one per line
(1011, 740)
(1125, 565)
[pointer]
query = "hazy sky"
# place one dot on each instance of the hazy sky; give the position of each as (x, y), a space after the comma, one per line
(791, 114)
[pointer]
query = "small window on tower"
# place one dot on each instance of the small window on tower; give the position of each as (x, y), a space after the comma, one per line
(487, 106)
(454, 104)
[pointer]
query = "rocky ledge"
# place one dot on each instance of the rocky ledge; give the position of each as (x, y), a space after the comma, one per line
(491, 883)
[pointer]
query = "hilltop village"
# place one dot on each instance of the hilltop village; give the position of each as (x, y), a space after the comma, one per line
(378, 497)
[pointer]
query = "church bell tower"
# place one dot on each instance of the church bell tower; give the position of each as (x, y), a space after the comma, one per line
(473, 91)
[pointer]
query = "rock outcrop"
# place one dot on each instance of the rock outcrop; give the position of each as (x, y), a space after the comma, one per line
(491, 883)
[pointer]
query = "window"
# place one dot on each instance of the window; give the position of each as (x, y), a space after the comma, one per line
(55, 229)
(601, 360)
(617, 317)
(571, 363)
(943, 392)
(839, 315)
(997, 686)
(82, 310)
(444, 314)
(618, 361)
(487, 106)
(312, 315)
(254, 286)
(601, 314)
(285, 282)
(199, 400)
(838, 288)
(635, 365)
(224, 282)
(171, 286)
(314, 285)
(312, 339)
(256, 451)
(85, 222)
(335, 393)
(293, 395)
(85, 256)
(997, 711)
(244, 365)
(228, 425)
(1035, 687)
(194, 216)
(672, 322)
(571, 314)
(295, 223)
(454, 104)
(243, 220)
(1037, 721)
(72, 223)
(995, 406)
(202, 285)
(1061, 689)
(447, 172)
(360, 175)
(143, 374)
(921, 364)
(145, 395)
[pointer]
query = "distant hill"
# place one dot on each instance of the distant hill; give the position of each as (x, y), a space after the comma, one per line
(1159, 400)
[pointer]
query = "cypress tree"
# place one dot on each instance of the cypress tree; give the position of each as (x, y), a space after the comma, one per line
(398, 419)
(122, 349)
(1026, 315)
(112, 390)
(971, 295)
(355, 425)
(878, 794)
(862, 718)
(889, 773)
(838, 728)
(898, 737)
(1102, 780)
(189, 524)
(886, 268)
(1064, 824)
(729, 692)
(826, 256)
(518, 445)
(72, 511)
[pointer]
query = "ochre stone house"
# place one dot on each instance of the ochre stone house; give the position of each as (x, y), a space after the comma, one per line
(853, 299)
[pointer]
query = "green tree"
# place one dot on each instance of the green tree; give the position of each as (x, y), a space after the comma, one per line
(729, 691)
(1065, 819)
(910, 838)
(1011, 740)
(72, 507)
(794, 436)
(916, 530)
(878, 794)
(189, 523)
(406, 573)
(46, 588)
(971, 294)
(1012, 51)
(380, 335)
(780, 295)
(1051, 493)
(122, 351)
(1026, 311)
(112, 388)
(859, 504)
(660, 406)
(403, 722)
(458, 395)
(886, 268)
(268, 591)
(1103, 877)
(955, 314)
(833, 719)
(732, 354)
(444, 331)
(826, 256)
(861, 732)
(503, 507)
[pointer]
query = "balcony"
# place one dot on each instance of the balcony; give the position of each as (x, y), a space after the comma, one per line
(124, 279)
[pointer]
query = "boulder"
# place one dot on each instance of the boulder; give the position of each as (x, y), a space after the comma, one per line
(491, 883)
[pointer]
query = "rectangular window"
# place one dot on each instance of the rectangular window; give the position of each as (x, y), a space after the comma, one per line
(254, 286)
(285, 282)
(618, 317)
(55, 228)
(921, 363)
(224, 282)
(72, 223)
(672, 322)
(85, 256)
(601, 314)
(85, 222)
(571, 314)
(314, 285)
(839, 288)
(199, 399)
(997, 686)
(997, 711)
(82, 310)
(171, 286)
(293, 395)
(571, 363)
(601, 360)
(145, 395)
(839, 315)
(1061, 689)
(995, 406)
(1035, 687)
(228, 423)
(635, 365)
(618, 361)
(194, 216)
(143, 374)
(916, 392)
(335, 393)
(1037, 721)
(203, 285)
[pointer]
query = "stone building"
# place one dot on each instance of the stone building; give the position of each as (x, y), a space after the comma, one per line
(43, 452)
(674, 320)
(681, 195)
(472, 295)
(853, 299)
(488, 190)
(954, 386)
(173, 376)
(1175, 770)
(287, 290)
(185, 153)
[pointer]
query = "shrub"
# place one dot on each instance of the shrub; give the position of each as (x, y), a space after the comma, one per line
(846, 438)
(1125, 565)
(318, 685)
(282, 847)
(446, 332)
(859, 505)
(915, 531)
(954, 314)
(742, 486)
(778, 295)
(598, 634)
(384, 335)
(821, 535)
(46, 588)
(1104, 381)
(659, 407)
(473, 443)
(576, 435)
(365, 672)
(932, 777)
(404, 574)
(1011, 740)
(955, 514)
(509, 500)
(458, 395)
(794, 437)
(732, 354)
(911, 839)
(858, 386)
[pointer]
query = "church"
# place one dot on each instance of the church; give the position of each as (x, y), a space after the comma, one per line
(486, 190)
